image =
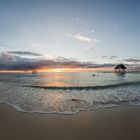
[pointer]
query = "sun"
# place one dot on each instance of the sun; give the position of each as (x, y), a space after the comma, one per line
(58, 70)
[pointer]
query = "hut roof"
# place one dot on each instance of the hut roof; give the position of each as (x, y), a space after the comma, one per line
(120, 66)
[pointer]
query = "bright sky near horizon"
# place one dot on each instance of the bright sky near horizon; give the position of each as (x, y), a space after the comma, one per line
(69, 33)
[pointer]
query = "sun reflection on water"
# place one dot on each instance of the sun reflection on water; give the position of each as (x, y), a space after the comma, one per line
(57, 80)
(53, 102)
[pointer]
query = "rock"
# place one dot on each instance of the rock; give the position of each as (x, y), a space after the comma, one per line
(74, 100)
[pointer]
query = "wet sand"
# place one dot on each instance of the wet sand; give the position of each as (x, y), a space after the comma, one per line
(119, 123)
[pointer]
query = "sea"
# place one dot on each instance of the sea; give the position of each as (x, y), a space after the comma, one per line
(69, 93)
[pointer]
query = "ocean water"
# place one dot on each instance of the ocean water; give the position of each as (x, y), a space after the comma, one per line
(68, 93)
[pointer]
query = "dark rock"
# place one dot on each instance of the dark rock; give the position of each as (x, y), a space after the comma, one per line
(74, 100)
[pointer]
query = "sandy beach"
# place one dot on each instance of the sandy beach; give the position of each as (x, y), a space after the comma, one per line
(119, 123)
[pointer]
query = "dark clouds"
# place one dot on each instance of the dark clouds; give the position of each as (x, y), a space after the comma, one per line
(103, 65)
(10, 61)
(133, 60)
(110, 57)
(24, 53)
(113, 57)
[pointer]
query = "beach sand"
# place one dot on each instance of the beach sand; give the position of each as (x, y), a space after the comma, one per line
(118, 123)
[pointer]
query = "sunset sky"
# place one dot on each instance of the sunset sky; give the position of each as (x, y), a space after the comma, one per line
(47, 34)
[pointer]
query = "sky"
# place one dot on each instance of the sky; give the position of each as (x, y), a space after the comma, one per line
(59, 34)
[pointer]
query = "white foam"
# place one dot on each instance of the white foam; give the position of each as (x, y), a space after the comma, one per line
(18, 108)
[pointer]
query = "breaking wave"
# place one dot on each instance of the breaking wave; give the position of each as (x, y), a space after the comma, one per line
(84, 87)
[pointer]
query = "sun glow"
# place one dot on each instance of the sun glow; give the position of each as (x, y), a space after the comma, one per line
(75, 69)
(61, 70)
(66, 70)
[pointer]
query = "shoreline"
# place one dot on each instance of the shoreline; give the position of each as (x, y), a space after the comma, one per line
(117, 123)
(20, 110)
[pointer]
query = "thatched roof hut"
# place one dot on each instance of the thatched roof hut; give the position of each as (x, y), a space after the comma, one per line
(120, 68)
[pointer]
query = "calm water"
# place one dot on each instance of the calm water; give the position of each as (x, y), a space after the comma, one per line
(68, 93)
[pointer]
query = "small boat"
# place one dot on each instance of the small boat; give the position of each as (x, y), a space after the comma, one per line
(34, 72)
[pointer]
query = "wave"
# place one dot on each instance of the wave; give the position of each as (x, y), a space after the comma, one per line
(84, 87)
(18, 108)
(94, 106)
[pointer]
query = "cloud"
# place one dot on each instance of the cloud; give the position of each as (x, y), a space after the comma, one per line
(104, 56)
(9, 61)
(132, 60)
(109, 57)
(135, 68)
(113, 57)
(7, 58)
(24, 53)
(80, 37)
(106, 65)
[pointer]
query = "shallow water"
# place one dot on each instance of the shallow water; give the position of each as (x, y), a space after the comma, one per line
(68, 93)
